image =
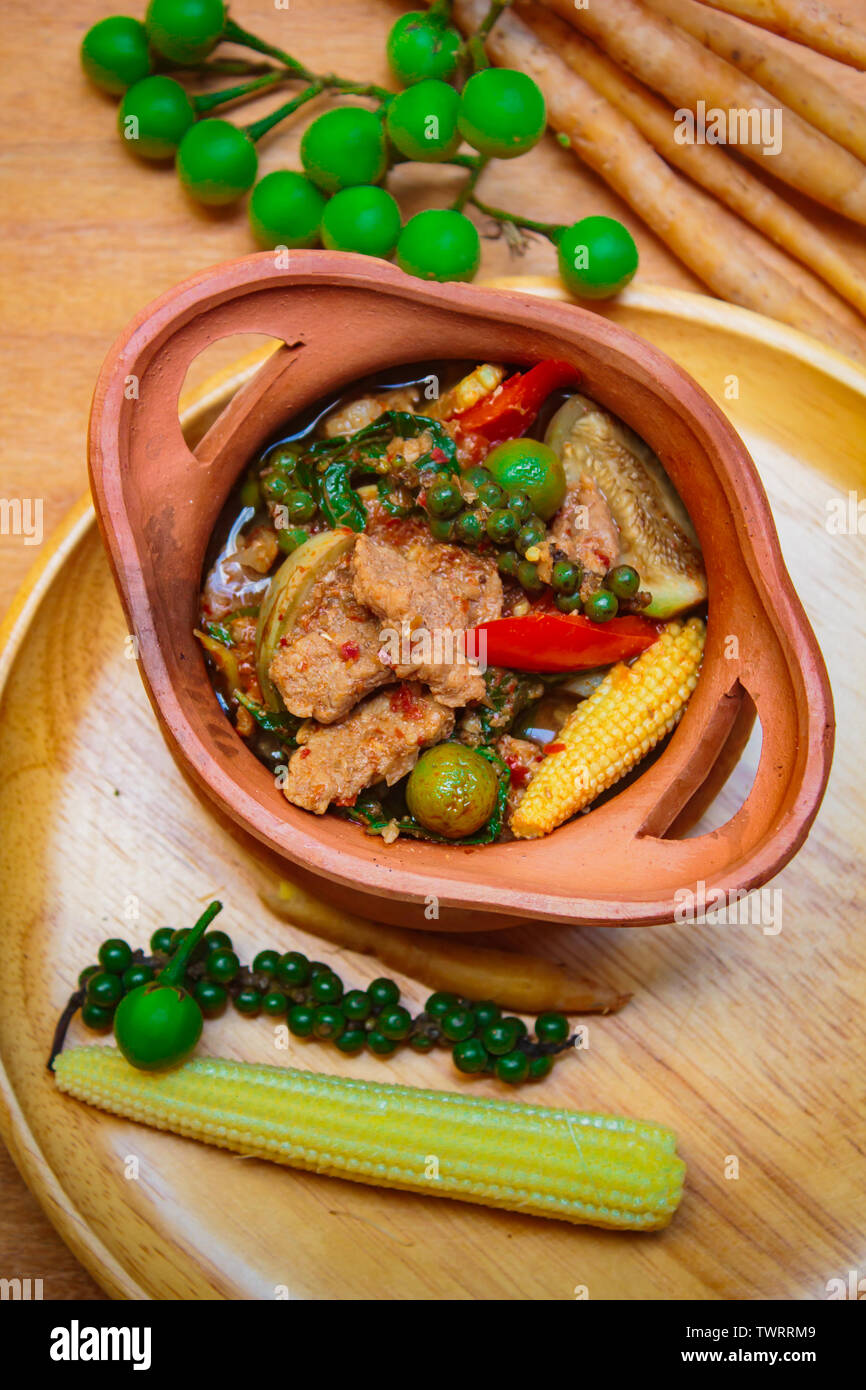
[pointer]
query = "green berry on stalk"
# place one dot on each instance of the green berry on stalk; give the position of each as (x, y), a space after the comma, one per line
(222, 966)
(458, 1024)
(502, 112)
(86, 974)
(623, 581)
(501, 1037)
(154, 116)
(601, 606)
(486, 1012)
(382, 993)
(343, 148)
(326, 989)
(470, 1056)
(211, 998)
(365, 219)
(469, 528)
(160, 942)
(513, 1067)
(531, 533)
(115, 955)
(565, 577)
(293, 970)
(379, 1044)
(440, 1004)
(528, 577)
(569, 603)
(394, 1022)
(328, 1021)
(540, 1067)
(420, 47)
(136, 975)
(301, 1019)
(275, 1004)
(521, 504)
(441, 528)
(507, 563)
(115, 53)
(597, 257)
(356, 1005)
(452, 790)
(185, 31)
(502, 526)
(290, 537)
(248, 1002)
(216, 162)
(96, 1017)
(439, 244)
(352, 1041)
(421, 1042)
(105, 989)
(530, 467)
(422, 121)
(443, 499)
(551, 1028)
(266, 962)
(286, 210)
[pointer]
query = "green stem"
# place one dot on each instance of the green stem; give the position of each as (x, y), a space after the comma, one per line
(176, 969)
(496, 8)
(233, 33)
(469, 187)
(553, 230)
(260, 128)
(441, 10)
(209, 100)
(229, 67)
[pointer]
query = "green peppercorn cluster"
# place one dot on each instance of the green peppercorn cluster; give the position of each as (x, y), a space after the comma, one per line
(313, 1002)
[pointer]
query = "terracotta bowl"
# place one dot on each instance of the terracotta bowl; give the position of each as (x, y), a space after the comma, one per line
(341, 317)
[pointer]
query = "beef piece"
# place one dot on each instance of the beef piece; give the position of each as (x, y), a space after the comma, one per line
(586, 532)
(379, 741)
(429, 593)
(330, 659)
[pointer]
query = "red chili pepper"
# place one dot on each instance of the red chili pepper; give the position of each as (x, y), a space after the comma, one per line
(509, 410)
(563, 641)
(350, 651)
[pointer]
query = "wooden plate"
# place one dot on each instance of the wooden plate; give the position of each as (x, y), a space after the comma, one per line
(743, 1037)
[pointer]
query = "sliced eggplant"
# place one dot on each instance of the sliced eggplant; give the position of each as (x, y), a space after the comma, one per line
(656, 535)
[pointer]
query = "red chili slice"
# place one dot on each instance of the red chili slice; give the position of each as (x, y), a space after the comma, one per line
(552, 641)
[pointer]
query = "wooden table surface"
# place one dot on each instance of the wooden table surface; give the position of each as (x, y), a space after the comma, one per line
(90, 235)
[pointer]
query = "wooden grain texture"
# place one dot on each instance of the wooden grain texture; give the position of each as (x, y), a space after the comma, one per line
(746, 1041)
(90, 235)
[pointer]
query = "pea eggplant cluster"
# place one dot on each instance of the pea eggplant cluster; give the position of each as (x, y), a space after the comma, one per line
(157, 1003)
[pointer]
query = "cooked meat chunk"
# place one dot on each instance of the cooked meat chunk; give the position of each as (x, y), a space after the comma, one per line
(330, 660)
(522, 758)
(379, 741)
(354, 416)
(429, 593)
(585, 530)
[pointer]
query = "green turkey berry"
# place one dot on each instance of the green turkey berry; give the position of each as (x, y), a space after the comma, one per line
(540, 1067)
(154, 116)
(293, 970)
(470, 1056)
(328, 1021)
(248, 1002)
(356, 1005)
(286, 210)
(365, 219)
(115, 53)
(420, 47)
(601, 606)
(623, 581)
(444, 499)
(382, 993)
(440, 1004)
(513, 1067)
(136, 975)
(222, 966)
(353, 1041)
(160, 942)
(216, 162)
(422, 121)
(301, 1019)
(379, 1044)
(275, 1004)
(96, 1017)
(439, 244)
(211, 998)
(104, 989)
(115, 955)
(266, 962)
(185, 31)
(597, 257)
(394, 1022)
(458, 1024)
(551, 1028)
(326, 989)
(343, 148)
(502, 112)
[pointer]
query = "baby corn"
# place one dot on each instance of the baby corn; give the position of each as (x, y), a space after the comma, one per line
(596, 1169)
(625, 717)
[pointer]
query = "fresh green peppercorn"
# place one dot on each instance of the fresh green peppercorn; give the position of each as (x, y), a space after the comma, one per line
(521, 504)
(379, 1044)
(96, 1017)
(222, 967)
(528, 577)
(328, 1021)
(601, 606)
(491, 494)
(507, 563)
(352, 1041)
(248, 1002)
(500, 1037)
(211, 998)
(382, 993)
(137, 975)
(441, 529)
(458, 1024)
(443, 499)
(477, 476)
(326, 989)
(178, 937)
(540, 1067)
(468, 528)
(301, 1018)
(551, 1028)
(565, 577)
(266, 962)
(275, 1004)
(517, 1024)
(421, 1042)
(276, 488)
(470, 1056)
(486, 1012)
(319, 967)
(216, 941)
(290, 537)
(531, 533)
(104, 989)
(115, 955)
(300, 504)
(502, 525)
(513, 1067)
(623, 581)
(356, 1005)
(569, 603)
(86, 973)
(395, 1022)
(440, 1004)
(293, 970)
(160, 942)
